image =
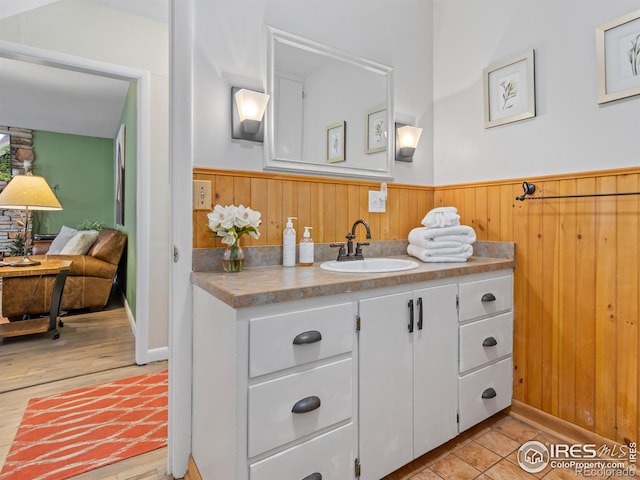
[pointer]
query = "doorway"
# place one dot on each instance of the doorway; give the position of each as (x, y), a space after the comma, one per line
(140, 317)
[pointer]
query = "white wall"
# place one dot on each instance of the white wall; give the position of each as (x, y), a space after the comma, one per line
(571, 132)
(86, 29)
(230, 50)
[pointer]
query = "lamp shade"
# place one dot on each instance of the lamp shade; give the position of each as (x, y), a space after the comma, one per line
(28, 191)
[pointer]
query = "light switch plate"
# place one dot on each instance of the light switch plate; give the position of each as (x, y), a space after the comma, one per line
(201, 194)
(376, 202)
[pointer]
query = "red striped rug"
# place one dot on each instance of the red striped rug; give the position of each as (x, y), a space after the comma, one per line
(70, 433)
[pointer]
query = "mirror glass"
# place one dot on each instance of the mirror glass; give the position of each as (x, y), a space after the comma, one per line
(329, 110)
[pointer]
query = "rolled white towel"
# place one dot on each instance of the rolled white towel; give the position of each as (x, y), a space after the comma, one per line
(442, 217)
(423, 236)
(421, 254)
(436, 251)
(419, 240)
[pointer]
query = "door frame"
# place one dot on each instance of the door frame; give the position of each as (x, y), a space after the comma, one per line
(25, 53)
(181, 148)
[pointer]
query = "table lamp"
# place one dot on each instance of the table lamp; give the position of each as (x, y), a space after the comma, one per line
(28, 192)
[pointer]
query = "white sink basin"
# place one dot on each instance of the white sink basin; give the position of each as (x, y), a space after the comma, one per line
(370, 265)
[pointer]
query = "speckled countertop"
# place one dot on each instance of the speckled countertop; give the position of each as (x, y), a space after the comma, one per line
(274, 283)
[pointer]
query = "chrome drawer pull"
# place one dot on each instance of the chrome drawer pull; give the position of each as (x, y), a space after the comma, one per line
(489, 393)
(312, 336)
(313, 476)
(488, 297)
(489, 342)
(306, 405)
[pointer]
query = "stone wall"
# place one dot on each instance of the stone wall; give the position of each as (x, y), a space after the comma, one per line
(21, 153)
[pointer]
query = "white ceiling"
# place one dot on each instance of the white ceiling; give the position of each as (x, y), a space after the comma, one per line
(46, 98)
(153, 9)
(9, 8)
(56, 100)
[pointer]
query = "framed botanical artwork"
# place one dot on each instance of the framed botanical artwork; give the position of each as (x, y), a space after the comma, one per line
(335, 142)
(509, 91)
(618, 58)
(376, 138)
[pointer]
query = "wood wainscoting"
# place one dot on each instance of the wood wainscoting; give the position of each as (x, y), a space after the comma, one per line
(576, 338)
(577, 275)
(329, 205)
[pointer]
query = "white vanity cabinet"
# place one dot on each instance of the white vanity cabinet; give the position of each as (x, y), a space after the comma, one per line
(273, 390)
(485, 374)
(359, 382)
(408, 363)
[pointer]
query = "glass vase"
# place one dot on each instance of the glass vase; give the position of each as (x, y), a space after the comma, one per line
(233, 258)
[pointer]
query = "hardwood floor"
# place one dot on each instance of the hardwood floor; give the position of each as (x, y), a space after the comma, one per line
(93, 348)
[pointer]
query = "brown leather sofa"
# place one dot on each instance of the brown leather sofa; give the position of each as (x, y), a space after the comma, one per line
(88, 284)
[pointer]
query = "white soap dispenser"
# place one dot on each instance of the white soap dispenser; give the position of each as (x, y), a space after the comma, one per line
(306, 249)
(289, 244)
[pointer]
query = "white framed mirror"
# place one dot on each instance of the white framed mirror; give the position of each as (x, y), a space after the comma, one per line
(315, 87)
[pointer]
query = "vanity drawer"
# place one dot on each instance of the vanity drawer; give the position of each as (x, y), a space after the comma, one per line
(495, 379)
(282, 341)
(272, 421)
(485, 297)
(485, 341)
(331, 455)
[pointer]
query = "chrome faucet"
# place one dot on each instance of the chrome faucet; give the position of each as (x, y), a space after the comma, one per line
(349, 254)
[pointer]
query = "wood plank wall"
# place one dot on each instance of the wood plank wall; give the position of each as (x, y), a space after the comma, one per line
(577, 276)
(328, 205)
(576, 338)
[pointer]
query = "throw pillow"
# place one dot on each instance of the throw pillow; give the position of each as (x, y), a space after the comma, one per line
(58, 243)
(109, 246)
(80, 243)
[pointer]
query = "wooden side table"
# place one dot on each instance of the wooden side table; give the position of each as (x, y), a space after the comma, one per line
(60, 268)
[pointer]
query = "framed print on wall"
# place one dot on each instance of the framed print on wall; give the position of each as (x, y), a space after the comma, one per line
(376, 138)
(335, 142)
(618, 58)
(509, 91)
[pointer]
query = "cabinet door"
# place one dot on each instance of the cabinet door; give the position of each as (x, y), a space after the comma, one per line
(435, 368)
(385, 390)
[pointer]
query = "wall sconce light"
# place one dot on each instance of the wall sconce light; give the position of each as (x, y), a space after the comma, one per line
(247, 110)
(407, 138)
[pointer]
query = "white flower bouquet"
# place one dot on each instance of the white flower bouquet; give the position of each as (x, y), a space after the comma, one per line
(231, 222)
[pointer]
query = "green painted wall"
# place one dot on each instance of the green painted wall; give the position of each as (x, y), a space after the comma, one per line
(130, 120)
(81, 172)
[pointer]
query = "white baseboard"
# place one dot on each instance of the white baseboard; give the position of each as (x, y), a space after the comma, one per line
(157, 354)
(130, 316)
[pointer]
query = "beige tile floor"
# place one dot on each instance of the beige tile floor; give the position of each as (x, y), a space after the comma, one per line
(485, 452)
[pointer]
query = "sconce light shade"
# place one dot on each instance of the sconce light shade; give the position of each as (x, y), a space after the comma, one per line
(407, 138)
(247, 111)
